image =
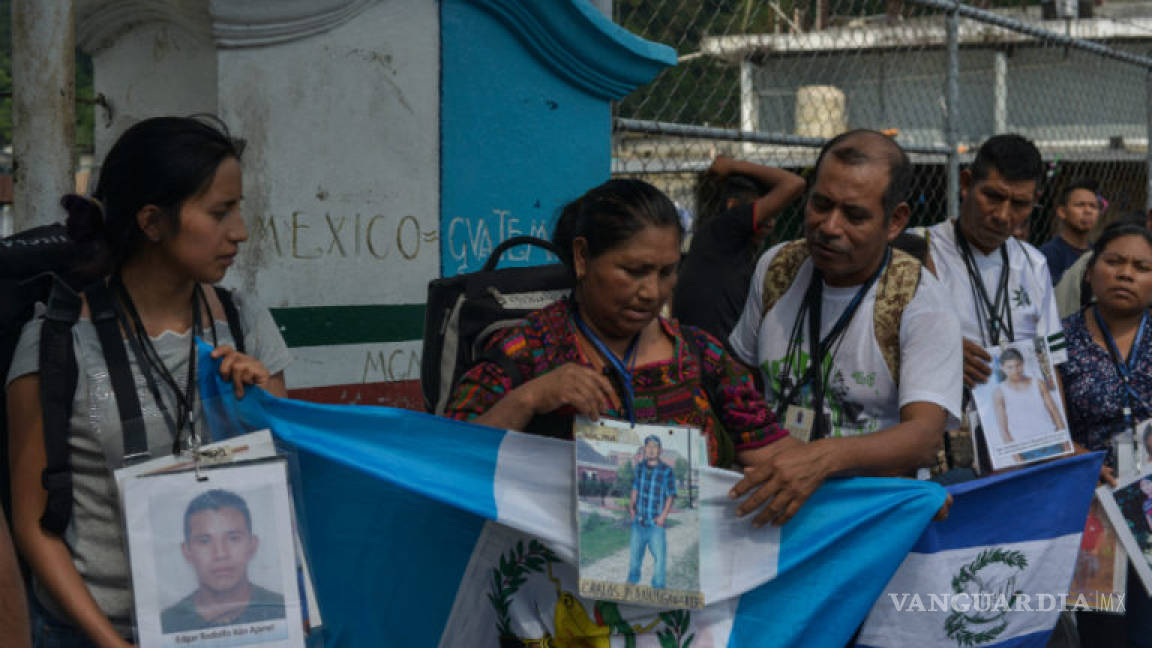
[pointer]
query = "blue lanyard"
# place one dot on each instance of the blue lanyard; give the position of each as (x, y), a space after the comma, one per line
(1123, 367)
(620, 365)
(846, 316)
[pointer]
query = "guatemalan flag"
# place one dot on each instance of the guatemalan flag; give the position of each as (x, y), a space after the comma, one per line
(995, 572)
(424, 532)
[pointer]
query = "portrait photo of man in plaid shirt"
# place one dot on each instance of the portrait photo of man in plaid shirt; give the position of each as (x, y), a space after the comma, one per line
(653, 490)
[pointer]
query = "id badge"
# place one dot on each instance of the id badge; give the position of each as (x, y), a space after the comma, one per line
(1133, 450)
(799, 421)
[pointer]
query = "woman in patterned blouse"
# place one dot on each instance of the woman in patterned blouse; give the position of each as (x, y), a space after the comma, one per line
(1109, 370)
(605, 351)
(1095, 385)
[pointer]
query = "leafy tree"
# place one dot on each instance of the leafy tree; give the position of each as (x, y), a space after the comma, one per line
(624, 476)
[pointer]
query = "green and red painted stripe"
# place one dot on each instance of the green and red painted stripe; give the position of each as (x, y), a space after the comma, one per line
(316, 326)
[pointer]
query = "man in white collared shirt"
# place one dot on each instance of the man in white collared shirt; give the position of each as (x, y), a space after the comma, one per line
(999, 286)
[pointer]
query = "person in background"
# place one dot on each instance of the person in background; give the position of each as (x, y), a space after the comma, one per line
(1077, 212)
(1108, 389)
(1071, 293)
(736, 207)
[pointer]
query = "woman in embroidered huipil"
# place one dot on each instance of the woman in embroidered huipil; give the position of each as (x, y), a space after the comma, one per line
(622, 242)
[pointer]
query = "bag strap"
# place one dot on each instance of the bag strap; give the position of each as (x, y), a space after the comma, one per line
(107, 326)
(494, 257)
(894, 291)
(58, 372)
(782, 271)
(233, 316)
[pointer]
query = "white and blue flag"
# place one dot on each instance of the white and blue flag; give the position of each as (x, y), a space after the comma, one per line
(423, 531)
(996, 572)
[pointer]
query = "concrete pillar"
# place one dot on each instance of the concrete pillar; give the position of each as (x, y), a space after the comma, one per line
(43, 108)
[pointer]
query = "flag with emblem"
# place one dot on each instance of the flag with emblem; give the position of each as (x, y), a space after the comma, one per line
(424, 531)
(996, 572)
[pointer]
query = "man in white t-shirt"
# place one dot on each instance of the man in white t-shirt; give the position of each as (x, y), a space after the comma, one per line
(999, 286)
(873, 422)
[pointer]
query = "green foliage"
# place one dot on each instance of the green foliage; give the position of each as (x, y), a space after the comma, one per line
(511, 573)
(602, 536)
(624, 476)
(676, 625)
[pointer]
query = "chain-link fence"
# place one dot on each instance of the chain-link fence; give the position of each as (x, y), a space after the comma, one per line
(771, 81)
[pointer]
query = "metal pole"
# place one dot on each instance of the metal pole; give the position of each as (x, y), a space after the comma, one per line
(992, 18)
(749, 106)
(951, 106)
(1000, 92)
(43, 108)
(731, 134)
(1148, 148)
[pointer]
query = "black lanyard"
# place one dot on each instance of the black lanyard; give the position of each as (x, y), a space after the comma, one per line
(818, 348)
(994, 316)
(149, 360)
(622, 366)
(1124, 368)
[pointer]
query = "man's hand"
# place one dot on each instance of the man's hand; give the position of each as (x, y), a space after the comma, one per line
(631, 513)
(783, 475)
(976, 364)
(660, 519)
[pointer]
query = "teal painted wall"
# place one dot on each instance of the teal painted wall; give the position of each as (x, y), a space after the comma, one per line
(525, 117)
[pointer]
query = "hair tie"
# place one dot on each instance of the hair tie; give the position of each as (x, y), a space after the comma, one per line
(85, 217)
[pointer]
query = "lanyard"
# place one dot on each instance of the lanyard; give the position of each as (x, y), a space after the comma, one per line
(1123, 367)
(622, 366)
(811, 307)
(149, 359)
(995, 315)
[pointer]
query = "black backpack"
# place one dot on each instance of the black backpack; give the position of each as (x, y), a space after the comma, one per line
(464, 311)
(36, 265)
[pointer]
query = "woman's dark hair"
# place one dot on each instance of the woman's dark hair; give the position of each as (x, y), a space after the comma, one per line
(1011, 354)
(1008, 354)
(162, 161)
(610, 214)
(1131, 225)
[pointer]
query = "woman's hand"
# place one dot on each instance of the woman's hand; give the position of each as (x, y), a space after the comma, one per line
(241, 369)
(584, 389)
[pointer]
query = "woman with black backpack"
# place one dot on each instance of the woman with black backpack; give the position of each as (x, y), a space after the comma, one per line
(161, 229)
